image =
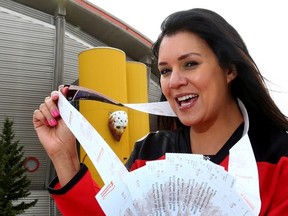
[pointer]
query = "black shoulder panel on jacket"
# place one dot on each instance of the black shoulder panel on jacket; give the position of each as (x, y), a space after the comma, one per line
(156, 144)
(269, 143)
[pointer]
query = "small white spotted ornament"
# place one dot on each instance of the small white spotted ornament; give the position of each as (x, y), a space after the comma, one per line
(117, 124)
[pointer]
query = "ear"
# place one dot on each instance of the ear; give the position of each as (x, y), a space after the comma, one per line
(231, 73)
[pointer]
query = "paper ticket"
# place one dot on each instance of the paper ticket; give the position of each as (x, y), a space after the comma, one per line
(102, 156)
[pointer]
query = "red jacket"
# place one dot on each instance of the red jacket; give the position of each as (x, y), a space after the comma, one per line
(270, 149)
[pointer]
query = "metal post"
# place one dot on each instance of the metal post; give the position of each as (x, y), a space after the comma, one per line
(59, 46)
(58, 65)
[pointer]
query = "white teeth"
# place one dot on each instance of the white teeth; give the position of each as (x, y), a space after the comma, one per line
(186, 97)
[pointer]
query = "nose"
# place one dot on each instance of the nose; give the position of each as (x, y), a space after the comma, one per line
(177, 79)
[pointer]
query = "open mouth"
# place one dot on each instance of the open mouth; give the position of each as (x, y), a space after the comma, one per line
(186, 100)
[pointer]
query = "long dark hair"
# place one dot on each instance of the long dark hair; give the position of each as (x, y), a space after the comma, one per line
(231, 51)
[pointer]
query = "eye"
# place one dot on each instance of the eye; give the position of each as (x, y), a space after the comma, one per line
(164, 71)
(191, 64)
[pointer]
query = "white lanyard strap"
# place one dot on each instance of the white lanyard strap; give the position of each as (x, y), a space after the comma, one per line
(242, 165)
(156, 108)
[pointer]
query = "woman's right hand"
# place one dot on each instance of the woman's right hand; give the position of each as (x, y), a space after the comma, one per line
(56, 138)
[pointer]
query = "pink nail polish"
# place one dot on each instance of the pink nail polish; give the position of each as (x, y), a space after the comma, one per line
(52, 122)
(55, 113)
(54, 94)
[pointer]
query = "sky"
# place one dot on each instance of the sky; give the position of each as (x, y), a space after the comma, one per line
(261, 23)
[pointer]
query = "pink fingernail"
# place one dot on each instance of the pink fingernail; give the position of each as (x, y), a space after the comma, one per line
(52, 122)
(53, 95)
(55, 113)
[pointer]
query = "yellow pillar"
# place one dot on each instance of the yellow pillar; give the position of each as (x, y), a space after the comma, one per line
(137, 85)
(103, 69)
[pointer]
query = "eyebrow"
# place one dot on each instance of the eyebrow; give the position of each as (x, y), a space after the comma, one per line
(181, 57)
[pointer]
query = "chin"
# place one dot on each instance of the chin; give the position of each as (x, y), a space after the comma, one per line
(188, 120)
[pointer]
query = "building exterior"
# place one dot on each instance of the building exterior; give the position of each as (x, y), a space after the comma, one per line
(39, 45)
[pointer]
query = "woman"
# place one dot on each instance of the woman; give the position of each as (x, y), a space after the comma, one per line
(206, 72)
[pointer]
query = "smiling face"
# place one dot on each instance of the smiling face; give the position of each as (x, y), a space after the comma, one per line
(196, 87)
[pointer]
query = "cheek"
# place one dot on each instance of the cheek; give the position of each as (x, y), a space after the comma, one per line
(164, 86)
(207, 81)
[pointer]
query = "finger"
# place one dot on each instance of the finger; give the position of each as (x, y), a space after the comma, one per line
(48, 111)
(43, 108)
(39, 119)
(54, 95)
(65, 90)
(51, 105)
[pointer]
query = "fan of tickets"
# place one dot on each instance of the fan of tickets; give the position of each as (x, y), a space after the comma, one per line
(182, 184)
